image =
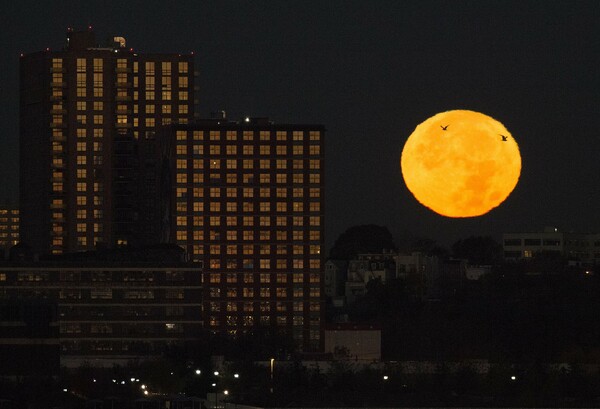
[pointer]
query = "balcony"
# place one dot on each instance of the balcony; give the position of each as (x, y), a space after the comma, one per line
(58, 125)
(122, 98)
(58, 84)
(123, 111)
(58, 69)
(58, 111)
(123, 84)
(122, 69)
(124, 125)
(57, 97)
(57, 206)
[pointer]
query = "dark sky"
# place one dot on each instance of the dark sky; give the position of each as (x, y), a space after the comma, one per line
(370, 71)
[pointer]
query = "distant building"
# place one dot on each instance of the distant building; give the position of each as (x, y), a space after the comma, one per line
(577, 248)
(335, 277)
(358, 342)
(247, 199)
(367, 267)
(9, 228)
(114, 306)
(88, 114)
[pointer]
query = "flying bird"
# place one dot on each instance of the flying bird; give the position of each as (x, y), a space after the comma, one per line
(504, 138)
(444, 127)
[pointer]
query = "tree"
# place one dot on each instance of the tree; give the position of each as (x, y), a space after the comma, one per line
(368, 238)
(478, 250)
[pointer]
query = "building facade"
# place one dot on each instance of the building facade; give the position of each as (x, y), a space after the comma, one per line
(113, 309)
(86, 114)
(577, 248)
(9, 228)
(29, 343)
(246, 198)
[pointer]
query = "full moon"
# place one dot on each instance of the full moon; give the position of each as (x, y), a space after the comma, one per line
(461, 163)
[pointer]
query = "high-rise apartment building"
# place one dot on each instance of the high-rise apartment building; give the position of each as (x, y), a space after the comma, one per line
(86, 114)
(247, 199)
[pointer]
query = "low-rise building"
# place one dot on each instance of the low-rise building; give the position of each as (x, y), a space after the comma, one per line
(367, 267)
(577, 248)
(114, 306)
(29, 344)
(359, 342)
(335, 277)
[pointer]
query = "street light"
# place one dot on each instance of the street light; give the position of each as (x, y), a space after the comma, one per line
(198, 372)
(236, 375)
(272, 366)
(216, 373)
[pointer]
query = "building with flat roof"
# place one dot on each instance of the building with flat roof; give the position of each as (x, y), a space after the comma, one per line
(576, 248)
(246, 199)
(114, 306)
(87, 113)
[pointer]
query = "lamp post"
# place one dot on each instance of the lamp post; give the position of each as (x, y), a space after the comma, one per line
(272, 366)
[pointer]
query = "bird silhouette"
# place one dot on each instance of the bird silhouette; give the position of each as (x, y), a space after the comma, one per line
(444, 127)
(504, 138)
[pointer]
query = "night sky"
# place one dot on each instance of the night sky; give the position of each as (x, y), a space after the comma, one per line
(370, 71)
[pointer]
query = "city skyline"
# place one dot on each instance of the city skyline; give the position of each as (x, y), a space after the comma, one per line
(371, 74)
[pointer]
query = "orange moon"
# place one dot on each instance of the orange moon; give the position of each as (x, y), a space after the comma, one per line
(464, 170)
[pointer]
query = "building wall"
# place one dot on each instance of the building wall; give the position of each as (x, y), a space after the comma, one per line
(362, 343)
(29, 343)
(9, 228)
(247, 200)
(576, 247)
(108, 312)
